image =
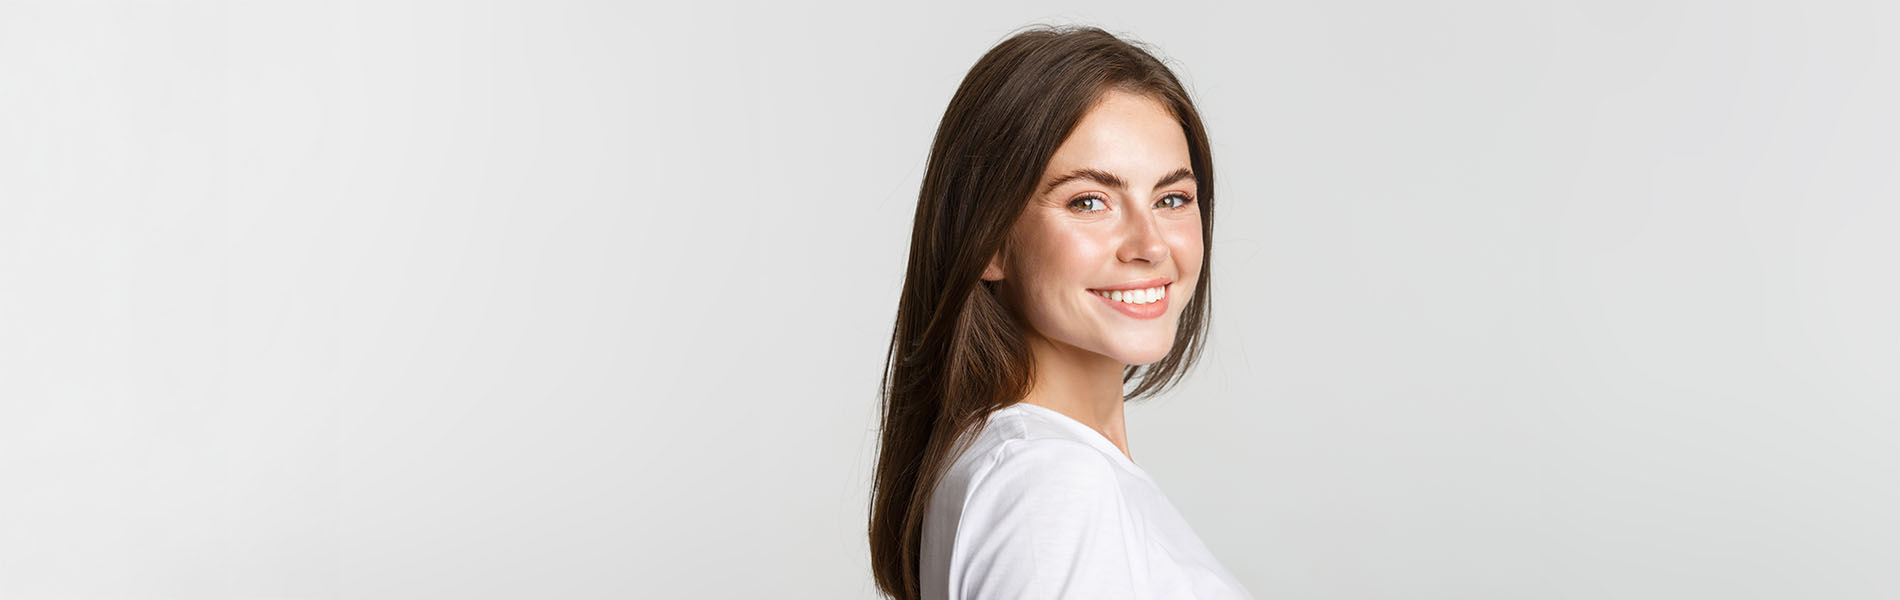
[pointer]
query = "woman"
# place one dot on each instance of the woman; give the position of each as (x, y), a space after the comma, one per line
(1059, 252)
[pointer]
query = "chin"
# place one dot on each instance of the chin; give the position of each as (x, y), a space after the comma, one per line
(1141, 356)
(1138, 347)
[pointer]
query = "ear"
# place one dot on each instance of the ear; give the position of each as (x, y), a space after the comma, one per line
(994, 270)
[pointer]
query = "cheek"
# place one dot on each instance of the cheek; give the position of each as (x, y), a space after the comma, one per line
(1061, 259)
(1185, 245)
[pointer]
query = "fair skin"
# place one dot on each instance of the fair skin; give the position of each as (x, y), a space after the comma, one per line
(1115, 209)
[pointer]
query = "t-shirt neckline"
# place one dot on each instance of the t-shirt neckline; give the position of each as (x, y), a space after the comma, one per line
(1090, 436)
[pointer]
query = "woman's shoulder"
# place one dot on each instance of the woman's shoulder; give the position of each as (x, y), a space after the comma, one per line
(1023, 422)
(1021, 449)
(1027, 492)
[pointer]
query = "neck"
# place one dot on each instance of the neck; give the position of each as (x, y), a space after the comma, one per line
(1081, 385)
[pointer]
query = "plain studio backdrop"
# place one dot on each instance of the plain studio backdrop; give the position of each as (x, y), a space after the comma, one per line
(591, 299)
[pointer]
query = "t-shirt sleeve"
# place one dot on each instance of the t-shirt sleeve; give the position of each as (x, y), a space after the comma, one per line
(1046, 521)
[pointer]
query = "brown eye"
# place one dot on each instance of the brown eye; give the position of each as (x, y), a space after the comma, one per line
(1086, 199)
(1180, 200)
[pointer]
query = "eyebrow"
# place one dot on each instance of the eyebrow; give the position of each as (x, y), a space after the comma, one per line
(1109, 179)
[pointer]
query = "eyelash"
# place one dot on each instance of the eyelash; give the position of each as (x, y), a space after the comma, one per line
(1185, 201)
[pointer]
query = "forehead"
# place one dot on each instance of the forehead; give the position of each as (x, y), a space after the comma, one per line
(1128, 134)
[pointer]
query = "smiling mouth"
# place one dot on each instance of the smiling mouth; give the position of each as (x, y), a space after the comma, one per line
(1135, 297)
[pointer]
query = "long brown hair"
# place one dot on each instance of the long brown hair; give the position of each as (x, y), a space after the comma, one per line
(957, 353)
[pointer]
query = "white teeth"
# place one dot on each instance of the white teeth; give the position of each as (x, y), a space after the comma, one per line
(1144, 296)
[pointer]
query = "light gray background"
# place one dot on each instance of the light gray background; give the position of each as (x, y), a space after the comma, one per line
(590, 299)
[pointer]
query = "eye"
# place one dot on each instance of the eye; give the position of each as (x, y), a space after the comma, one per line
(1087, 199)
(1180, 200)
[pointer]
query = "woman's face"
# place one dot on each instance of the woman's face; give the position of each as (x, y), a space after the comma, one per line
(1115, 213)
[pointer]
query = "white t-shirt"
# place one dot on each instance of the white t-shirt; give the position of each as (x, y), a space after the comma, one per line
(1042, 506)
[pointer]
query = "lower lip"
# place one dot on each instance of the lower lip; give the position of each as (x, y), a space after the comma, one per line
(1139, 311)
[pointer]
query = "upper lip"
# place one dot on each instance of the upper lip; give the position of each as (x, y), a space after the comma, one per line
(1140, 284)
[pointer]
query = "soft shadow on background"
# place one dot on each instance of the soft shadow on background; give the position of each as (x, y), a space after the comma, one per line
(588, 299)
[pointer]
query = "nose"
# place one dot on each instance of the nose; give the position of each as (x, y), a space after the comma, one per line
(1142, 239)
